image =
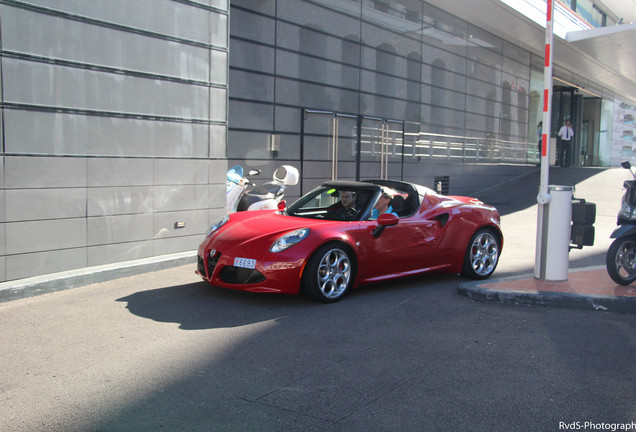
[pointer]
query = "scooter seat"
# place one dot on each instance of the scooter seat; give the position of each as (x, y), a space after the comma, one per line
(258, 193)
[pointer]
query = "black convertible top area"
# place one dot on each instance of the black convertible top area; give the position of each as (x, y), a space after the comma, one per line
(323, 202)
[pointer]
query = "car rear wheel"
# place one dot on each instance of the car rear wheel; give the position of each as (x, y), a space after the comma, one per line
(329, 273)
(482, 255)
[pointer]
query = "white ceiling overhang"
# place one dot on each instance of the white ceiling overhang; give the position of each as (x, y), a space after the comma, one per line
(604, 56)
(613, 46)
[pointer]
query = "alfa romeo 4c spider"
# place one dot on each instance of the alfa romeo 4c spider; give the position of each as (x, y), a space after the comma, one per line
(333, 239)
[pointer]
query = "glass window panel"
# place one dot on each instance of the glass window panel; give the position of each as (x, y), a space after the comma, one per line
(250, 115)
(337, 23)
(248, 25)
(247, 145)
(252, 56)
(252, 86)
(266, 7)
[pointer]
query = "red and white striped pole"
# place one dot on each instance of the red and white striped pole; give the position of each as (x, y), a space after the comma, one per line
(543, 198)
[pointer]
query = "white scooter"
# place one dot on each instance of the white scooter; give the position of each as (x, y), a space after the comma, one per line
(242, 195)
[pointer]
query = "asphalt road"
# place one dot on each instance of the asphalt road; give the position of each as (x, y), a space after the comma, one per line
(165, 351)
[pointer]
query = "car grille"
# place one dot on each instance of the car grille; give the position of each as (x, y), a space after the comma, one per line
(200, 265)
(212, 261)
(239, 275)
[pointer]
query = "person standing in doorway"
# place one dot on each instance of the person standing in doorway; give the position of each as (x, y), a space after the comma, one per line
(565, 137)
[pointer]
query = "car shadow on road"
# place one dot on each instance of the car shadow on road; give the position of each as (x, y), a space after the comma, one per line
(197, 306)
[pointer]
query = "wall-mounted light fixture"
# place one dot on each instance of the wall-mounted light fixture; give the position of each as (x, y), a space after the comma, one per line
(274, 145)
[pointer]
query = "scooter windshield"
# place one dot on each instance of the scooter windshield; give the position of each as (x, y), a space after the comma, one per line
(234, 175)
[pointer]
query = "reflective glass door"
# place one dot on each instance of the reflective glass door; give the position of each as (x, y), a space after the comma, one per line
(381, 148)
(329, 148)
(336, 146)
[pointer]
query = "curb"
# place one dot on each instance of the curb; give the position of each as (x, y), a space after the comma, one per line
(30, 287)
(476, 291)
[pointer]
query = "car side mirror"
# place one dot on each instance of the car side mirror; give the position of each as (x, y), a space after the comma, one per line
(388, 219)
(385, 220)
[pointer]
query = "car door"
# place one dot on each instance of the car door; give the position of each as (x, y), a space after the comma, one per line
(406, 247)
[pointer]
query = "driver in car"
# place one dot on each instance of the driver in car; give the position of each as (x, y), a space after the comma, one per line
(346, 206)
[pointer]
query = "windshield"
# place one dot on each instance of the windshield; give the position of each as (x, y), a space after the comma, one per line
(336, 202)
(234, 176)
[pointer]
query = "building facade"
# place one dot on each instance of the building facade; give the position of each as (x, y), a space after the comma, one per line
(120, 118)
(114, 123)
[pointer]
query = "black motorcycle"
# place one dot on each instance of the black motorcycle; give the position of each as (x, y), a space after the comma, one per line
(621, 256)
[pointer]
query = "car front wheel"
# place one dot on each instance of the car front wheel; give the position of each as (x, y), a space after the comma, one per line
(329, 273)
(482, 255)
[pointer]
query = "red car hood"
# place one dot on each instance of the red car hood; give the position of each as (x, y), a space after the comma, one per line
(248, 227)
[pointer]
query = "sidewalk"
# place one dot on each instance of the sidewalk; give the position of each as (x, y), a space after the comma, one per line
(587, 288)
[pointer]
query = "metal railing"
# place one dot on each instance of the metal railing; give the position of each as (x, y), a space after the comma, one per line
(455, 148)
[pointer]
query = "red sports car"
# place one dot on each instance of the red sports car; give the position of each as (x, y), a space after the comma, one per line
(329, 241)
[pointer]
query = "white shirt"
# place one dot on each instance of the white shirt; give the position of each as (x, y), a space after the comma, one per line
(566, 133)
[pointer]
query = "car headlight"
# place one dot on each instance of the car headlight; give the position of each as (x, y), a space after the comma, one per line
(218, 225)
(289, 239)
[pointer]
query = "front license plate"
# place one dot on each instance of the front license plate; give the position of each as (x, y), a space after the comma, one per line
(244, 263)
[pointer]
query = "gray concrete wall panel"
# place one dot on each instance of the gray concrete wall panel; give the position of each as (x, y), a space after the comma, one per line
(218, 104)
(41, 263)
(218, 67)
(170, 245)
(180, 197)
(196, 224)
(41, 204)
(119, 229)
(81, 89)
(39, 236)
(113, 253)
(46, 133)
(105, 201)
(216, 197)
(56, 37)
(218, 141)
(120, 172)
(217, 170)
(44, 172)
(163, 17)
(180, 172)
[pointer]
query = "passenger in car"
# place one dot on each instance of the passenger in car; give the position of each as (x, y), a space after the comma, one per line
(384, 204)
